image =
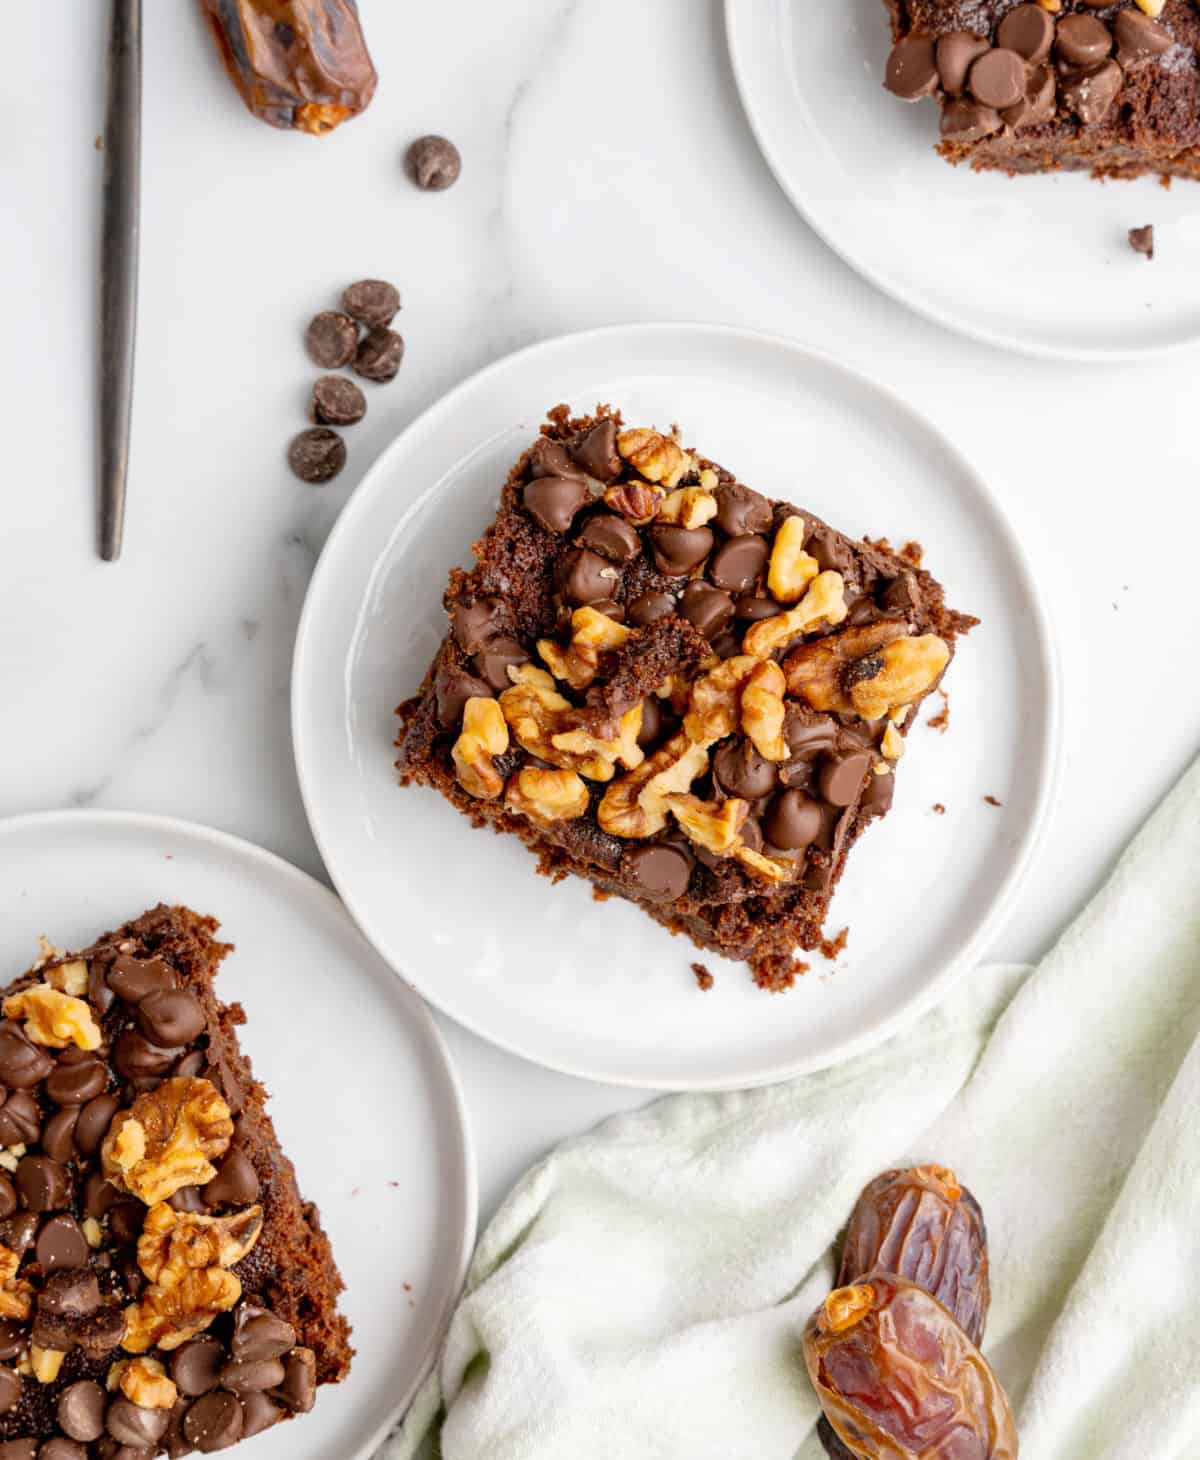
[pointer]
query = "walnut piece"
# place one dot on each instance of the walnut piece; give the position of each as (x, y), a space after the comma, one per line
(44, 1363)
(659, 458)
(714, 826)
(144, 1382)
(538, 717)
(908, 668)
(819, 672)
(688, 507)
(167, 1139)
(823, 603)
(1152, 8)
(168, 1317)
(763, 710)
(16, 1294)
(635, 806)
(54, 1019)
(773, 869)
(547, 795)
(714, 708)
(69, 978)
(636, 501)
(892, 744)
(174, 1243)
(592, 633)
(484, 735)
(791, 569)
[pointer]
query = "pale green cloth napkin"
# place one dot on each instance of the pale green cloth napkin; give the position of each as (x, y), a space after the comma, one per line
(642, 1291)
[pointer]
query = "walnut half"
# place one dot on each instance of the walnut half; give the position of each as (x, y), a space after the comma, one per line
(167, 1139)
(54, 1019)
(483, 736)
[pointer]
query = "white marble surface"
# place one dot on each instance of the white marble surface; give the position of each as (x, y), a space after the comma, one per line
(609, 176)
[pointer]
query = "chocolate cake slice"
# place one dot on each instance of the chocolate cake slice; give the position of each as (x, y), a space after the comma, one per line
(1110, 88)
(666, 683)
(163, 1287)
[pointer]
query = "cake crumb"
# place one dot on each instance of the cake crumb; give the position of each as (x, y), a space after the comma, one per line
(98, 144)
(938, 809)
(941, 721)
(1141, 240)
(832, 948)
(913, 552)
(991, 801)
(704, 979)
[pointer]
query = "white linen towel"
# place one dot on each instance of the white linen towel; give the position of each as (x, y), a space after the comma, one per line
(642, 1291)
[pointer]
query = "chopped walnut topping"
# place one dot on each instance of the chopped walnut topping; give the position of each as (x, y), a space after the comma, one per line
(823, 603)
(484, 735)
(167, 1139)
(69, 978)
(819, 673)
(908, 668)
(537, 715)
(143, 1382)
(173, 1243)
(592, 633)
(44, 1363)
(716, 700)
(16, 1294)
(168, 1317)
(774, 869)
(688, 507)
(659, 458)
(791, 569)
(54, 1019)
(763, 710)
(635, 806)
(892, 744)
(711, 825)
(547, 795)
(636, 501)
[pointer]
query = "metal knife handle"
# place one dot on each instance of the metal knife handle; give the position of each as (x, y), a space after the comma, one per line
(119, 265)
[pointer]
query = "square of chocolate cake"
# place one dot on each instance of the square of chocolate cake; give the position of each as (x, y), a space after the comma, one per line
(664, 682)
(164, 1288)
(1110, 88)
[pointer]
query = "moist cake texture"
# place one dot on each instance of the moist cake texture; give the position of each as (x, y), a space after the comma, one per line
(1110, 88)
(164, 1288)
(664, 682)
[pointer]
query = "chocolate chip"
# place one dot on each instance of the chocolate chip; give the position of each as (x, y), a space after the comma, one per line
(555, 501)
(968, 121)
(188, 1199)
(1139, 38)
(299, 1388)
(453, 687)
(727, 644)
(236, 1182)
(1038, 103)
(196, 1366)
(433, 163)
(131, 979)
(17, 1232)
(260, 1334)
(957, 51)
(77, 1077)
(741, 511)
(59, 1448)
(587, 577)
(20, 1119)
(94, 1121)
(649, 608)
(1141, 240)
(677, 550)
(751, 609)
(379, 356)
(317, 455)
(1090, 94)
(596, 452)
(476, 624)
(549, 458)
(911, 72)
(22, 1449)
(10, 1389)
(658, 873)
(252, 1375)
(493, 663)
(877, 798)
(58, 1139)
(336, 401)
(840, 776)
(611, 536)
(61, 1243)
(100, 996)
(652, 723)
(830, 549)
(125, 1220)
(171, 1018)
(792, 822)
(13, 1338)
(190, 1065)
(707, 609)
(998, 78)
(81, 1411)
(134, 1056)
(258, 1414)
(131, 1424)
(371, 302)
(1028, 30)
(737, 563)
(331, 340)
(214, 1422)
(44, 1185)
(98, 1195)
(8, 1200)
(1082, 40)
(740, 771)
(22, 1063)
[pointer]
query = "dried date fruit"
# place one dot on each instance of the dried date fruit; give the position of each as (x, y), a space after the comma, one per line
(923, 1225)
(299, 64)
(898, 1379)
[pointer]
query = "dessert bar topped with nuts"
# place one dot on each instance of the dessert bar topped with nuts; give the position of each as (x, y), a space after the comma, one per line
(1112, 86)
(163, 1288)
(663, 681)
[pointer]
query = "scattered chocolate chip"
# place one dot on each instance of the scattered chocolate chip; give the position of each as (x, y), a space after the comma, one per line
(20, 1119)
(10, 1389)
(258, 1414)
(331, 340)
(649, 608)
(1139, 38)
(454, 687)
(13, 1338)
(252, 1376)
(877, 798)
(548, 458)
(61, 1243)
(751, 609)
(78, 1076)
(131, 1424)
(188, 1199)
(317, 455)
(1141, 240)
(840, 776)
(611, 536)
(1082, 40)
(792, 822)
(1091, 93)
(735, 565)
(1028, 30)
(196, 1366)
(476, 624)
(260, 1334)
(59, 1448)
(22, 1449)
(596, 452)
(727, 644)
(911, 73)
(336, 401)
(17, 1232)
(652, 723)
(997, 79)
(43, 1184)
(299, 1388)
(131, 979)
(58, 1138)
(677, 550)
(379, 356)
(235, 1183)
(587, 577)
(171, 1018)
(94, 1121)
(22, 1063)
(555, 501)
(740, 510)
(707, 609)
(136, 1057)
(125, 1219)
(81, 1409)
(371, 302)
(658, 873)
(433, 163)
(739, 770)
(830, 549)
(494, 662)
(968, 121)
(8, 1201)
(957, 51)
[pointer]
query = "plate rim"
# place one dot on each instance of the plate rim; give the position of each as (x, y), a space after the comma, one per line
(1051, 741)
(224, 841)
(734, 10)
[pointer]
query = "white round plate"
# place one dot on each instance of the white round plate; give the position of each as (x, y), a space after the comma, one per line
(597, 989)
(1038, 264)
(362, 1092)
